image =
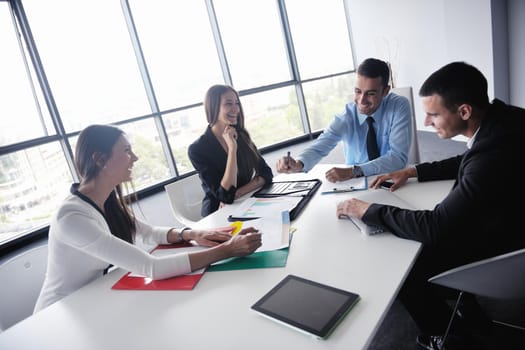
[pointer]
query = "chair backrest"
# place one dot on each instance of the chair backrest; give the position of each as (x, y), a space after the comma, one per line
(413, 153)
(501, 277)
(185, 196)
(21, 278)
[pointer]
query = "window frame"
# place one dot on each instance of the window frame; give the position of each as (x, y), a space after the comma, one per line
(60, 135)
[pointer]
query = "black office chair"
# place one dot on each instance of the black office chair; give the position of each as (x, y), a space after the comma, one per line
(501, 278)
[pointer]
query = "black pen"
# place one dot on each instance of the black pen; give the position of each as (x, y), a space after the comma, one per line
(287, 160)
(243, 218)
(343, 190)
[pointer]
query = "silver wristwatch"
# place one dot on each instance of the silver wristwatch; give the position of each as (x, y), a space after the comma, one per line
(181, 239)
(357, 171)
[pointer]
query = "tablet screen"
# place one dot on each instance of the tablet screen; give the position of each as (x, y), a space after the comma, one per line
(306, 305)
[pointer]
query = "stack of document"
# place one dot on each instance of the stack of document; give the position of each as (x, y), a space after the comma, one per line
(276, 236)
(268, 208)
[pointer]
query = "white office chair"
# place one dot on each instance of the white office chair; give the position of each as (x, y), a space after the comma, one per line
(21, 278)
(185, 196)
(500, 278)
(413, 152)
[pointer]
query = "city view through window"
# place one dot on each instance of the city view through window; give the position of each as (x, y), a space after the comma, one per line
(146, 66)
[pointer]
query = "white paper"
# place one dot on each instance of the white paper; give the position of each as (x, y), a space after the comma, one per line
(357, 183)
(275, 232)
(265, 207)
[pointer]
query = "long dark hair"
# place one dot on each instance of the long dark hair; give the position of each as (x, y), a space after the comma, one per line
(95, 143)
(247, 151)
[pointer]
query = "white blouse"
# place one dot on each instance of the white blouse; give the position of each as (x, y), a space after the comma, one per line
(81, 247)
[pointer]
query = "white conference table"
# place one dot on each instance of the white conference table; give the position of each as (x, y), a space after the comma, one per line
(216, 314)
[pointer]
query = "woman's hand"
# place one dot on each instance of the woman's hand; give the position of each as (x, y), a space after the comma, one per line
(353, 207)
(211, 238)
(230, 137)
(244, 243)
(254, 184)
(241, 244)
(208, 238)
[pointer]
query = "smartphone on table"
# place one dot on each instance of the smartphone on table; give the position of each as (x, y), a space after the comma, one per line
(386, 185)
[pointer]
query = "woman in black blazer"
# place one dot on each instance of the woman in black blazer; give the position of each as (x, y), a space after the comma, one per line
(227, 160)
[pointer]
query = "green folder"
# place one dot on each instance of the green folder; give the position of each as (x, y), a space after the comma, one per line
(273, 258)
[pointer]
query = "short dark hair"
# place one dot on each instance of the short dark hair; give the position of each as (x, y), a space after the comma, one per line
(374, 68)
(457, 83)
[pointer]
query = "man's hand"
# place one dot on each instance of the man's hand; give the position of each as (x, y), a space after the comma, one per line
(289, 165)
(399, 178)
(353, 207)
(339, 174)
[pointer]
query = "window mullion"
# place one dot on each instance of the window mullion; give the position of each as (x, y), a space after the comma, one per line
(148, 86)
(292, 59)
(218, 42)
(19, 13)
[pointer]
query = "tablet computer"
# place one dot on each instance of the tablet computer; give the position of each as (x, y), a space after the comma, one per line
(307, 306)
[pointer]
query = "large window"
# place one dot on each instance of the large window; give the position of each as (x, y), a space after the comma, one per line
(88, 59)
(254, 42)
(146, 65)
(179, 49)
(21, 118)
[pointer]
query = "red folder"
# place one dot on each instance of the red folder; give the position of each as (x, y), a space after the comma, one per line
(184, 282)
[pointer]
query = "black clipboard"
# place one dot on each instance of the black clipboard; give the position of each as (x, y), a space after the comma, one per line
(299, 188)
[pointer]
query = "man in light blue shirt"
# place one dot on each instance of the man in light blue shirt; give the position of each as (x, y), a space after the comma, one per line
(392, 124)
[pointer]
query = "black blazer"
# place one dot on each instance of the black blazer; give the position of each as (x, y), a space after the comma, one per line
(209, 159)
(479, 218)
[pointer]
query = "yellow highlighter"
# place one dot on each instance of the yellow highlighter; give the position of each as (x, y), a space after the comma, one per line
(237, 225)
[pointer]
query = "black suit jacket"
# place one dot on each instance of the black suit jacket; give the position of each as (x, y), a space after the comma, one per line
(479, 218)
(209, 159)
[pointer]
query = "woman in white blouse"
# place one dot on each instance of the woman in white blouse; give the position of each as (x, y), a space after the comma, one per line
(95, 228)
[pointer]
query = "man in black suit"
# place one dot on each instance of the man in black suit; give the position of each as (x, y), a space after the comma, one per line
(478, 218)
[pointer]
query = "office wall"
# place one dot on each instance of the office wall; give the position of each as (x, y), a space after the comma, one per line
(516, 12)
(418, 37)
(500, 49)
